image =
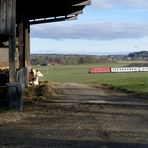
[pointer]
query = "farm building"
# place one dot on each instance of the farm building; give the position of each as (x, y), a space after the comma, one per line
(16, 16)
(52, 63)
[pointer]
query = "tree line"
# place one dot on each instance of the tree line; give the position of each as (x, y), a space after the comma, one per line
(66, 59)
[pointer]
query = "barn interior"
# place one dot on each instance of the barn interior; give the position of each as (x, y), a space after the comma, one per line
(15, 19)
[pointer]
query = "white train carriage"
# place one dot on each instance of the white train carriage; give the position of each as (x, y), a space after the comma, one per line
(143, 69)
(125, 69)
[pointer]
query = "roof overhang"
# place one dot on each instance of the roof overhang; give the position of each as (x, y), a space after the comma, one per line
(50, 10)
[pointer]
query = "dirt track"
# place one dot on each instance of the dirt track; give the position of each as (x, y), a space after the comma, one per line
(83, 116)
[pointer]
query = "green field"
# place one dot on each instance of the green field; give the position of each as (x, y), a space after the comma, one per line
(133, 82)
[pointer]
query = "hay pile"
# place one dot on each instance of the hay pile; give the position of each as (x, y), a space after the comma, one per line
(44, 92)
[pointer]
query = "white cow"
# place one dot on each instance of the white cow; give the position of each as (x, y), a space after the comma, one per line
(34, 77)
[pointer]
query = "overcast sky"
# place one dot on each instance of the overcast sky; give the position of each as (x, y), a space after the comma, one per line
(106, 26)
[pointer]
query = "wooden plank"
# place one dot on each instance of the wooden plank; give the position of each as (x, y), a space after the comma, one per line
(76, 13)
(84, 3)
(2, 17)
(9, 16)
(6, 16)
(22, 76)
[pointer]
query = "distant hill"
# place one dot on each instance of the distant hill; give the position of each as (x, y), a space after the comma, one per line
(46, 59)
(141, 54)
(67, 59)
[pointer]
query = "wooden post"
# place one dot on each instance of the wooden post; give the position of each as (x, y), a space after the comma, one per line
(24, 50)
(27, 45)
(21, 43)
(12, 42)
(27, 51)
(24, 43)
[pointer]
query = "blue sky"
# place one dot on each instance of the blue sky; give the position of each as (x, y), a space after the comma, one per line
(105, 27)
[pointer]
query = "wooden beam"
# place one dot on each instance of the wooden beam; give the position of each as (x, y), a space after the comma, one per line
(50, 20)
(76, 13)
(84, 3)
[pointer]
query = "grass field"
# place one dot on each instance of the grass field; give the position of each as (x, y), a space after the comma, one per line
(132, 82)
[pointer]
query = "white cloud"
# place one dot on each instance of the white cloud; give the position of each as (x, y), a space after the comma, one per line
(91, 31)
(120, 3)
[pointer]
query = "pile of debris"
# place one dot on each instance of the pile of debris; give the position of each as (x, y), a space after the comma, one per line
(44, 92)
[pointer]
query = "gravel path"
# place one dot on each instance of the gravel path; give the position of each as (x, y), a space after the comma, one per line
(82, 115)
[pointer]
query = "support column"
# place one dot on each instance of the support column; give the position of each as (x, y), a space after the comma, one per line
(12, 43)
(21, 43)
(24, 50)
(27, 51)
(27, 45)
(24, 43)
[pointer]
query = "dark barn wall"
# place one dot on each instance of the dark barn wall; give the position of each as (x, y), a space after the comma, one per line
(8, 28)
(15, 58)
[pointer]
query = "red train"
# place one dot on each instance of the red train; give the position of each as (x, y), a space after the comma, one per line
(117, 69)
(99, 70)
